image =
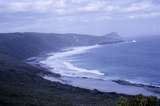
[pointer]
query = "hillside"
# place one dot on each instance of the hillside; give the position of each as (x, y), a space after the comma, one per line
(25, 45)
(21, 85)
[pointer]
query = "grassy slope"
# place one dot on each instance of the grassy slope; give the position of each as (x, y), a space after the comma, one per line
(25, 45)
(21, 86)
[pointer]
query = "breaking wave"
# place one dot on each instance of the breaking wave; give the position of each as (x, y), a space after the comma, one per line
(60, 63)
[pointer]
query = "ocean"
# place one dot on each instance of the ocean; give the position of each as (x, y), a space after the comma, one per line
(135, 64)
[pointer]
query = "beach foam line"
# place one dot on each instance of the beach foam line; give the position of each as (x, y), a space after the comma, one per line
(58, 63)
(136, 83)
(65, 68)
(72, 51)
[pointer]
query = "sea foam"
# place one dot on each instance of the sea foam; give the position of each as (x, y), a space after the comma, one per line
(60, 63)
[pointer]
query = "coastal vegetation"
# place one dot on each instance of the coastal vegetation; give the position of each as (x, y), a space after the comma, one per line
(138, 100)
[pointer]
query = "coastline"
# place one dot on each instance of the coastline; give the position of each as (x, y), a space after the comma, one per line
(108, 86)
(23, 84)
(117, 86)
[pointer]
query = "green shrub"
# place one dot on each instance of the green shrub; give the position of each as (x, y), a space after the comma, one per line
(122, 102)
(138, 100)
(152, 101)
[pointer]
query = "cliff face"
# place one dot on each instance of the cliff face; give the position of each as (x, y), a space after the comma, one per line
(24, 45)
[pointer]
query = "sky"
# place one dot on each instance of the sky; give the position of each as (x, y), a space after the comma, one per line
(97, 17)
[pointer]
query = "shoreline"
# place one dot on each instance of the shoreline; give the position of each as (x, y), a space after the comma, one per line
(104, 86)
(116, 84)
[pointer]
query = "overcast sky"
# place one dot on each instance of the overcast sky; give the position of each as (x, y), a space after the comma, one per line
(127, 17)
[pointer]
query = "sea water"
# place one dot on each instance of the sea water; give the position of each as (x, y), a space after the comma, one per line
(136, 61)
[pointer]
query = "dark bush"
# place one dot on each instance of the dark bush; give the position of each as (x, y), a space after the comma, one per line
(138, 100)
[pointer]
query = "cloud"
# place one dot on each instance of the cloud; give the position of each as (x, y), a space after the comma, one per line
(140, 6)
(144, 15)
(69, 7)
(31, 6)
(37, 14)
